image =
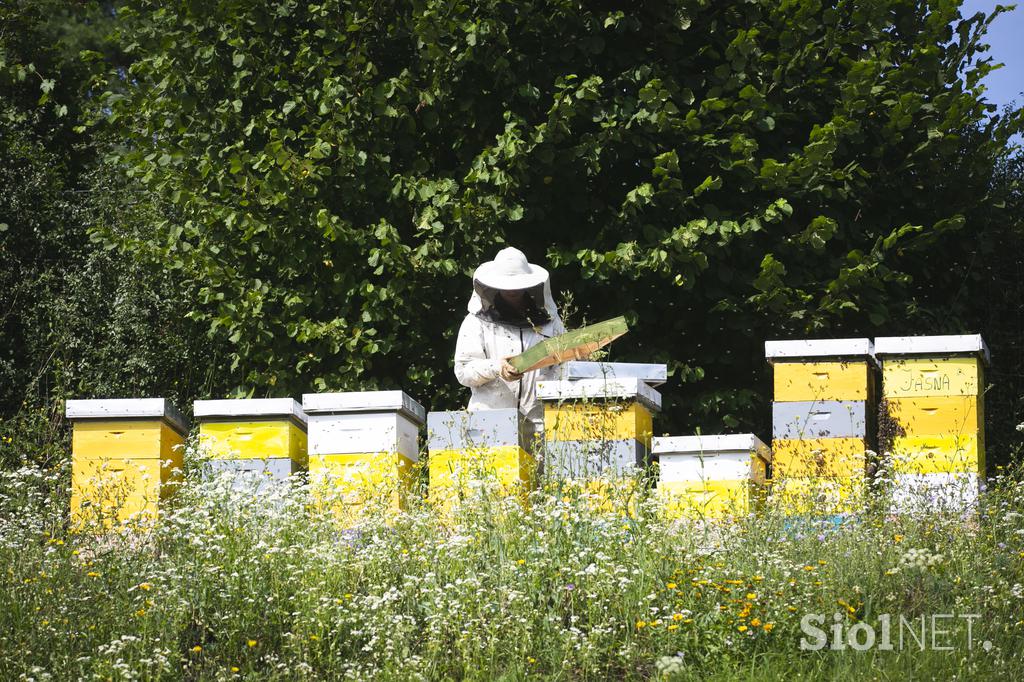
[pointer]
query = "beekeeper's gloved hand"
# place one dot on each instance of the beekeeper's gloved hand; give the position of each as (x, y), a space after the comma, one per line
(508, 372)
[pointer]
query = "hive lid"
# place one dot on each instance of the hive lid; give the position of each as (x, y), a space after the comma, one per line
(710, 445)
(126, 408)
(286, 408)
(859, 349)
(651, 374)
(364, 401)
(583, 389)
(962, 344)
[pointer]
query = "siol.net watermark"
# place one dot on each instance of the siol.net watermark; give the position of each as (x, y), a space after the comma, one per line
(934, 632)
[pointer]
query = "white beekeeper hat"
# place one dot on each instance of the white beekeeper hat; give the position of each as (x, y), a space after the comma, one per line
(510, 270)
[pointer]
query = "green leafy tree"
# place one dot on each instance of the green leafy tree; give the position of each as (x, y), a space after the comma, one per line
(720, 172)
(77, 318)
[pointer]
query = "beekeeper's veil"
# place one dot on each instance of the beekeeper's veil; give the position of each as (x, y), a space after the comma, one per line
(511, 271)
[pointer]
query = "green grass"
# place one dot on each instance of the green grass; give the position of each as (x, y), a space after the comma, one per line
(228, 587)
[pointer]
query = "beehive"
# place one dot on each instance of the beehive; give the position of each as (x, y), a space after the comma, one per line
(823, 418)
(126, 458)
(652, 374)
(470, 450)
(933, 391)
(817, 496)
(253, 475)
(711, 476)
(597, 427)
(362, 447)
(262, 428)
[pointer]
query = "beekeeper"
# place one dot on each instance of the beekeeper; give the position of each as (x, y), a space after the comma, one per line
(511, 309)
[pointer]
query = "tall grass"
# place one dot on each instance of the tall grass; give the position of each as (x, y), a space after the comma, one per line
(228, 586)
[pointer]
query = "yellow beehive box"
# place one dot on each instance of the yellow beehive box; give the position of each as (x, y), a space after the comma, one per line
(363, 446)
(598, 409)
(934, 388)
(590, 421)
(937, 454)
(126, 457)
(709, 499)
(804, 381)
(817, 496)
(711, 476)
(932, 366)
(819, 457)
(457, 475)
(361, 478)
(262, 428)
(935, 416)
(931, 377)
(822, 369)
(594, 427)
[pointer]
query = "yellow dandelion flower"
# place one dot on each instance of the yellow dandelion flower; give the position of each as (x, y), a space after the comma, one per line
(641, 624)
(251, 643)
(531, 659)
(672, 627)
(809, 567)
(755, 622)
(897, 538)
(742, 628)
(677, 617)
(521, 562)
(146, 586)
(822, 562)
(196, 649)
(93, 574)
(751, 596)
(768, 627)
(671, 586)
(140, 613)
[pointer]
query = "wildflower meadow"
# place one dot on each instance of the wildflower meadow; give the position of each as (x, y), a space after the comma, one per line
(572, 584)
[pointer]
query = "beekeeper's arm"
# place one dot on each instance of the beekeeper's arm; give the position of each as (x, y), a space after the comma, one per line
(472, 366)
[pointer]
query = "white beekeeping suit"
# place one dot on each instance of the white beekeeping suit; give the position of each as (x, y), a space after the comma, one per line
(493, 331)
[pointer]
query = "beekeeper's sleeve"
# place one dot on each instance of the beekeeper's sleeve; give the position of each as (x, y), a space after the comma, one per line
(472, 366)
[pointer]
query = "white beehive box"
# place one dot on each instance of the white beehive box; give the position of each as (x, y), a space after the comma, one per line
(630, 389)
(957, 344)
(812, 349)
(363, 422)
(711, 458)
(652, 374)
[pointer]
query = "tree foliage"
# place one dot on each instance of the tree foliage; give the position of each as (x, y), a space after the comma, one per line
(326, 176)
(77, 317)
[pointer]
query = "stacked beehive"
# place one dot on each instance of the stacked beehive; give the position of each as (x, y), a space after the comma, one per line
(257, 443)
(126, 458)
(469, 450)
(362, 447)
(824, 393)
(711, 476)
(932, 387)
(597, 427)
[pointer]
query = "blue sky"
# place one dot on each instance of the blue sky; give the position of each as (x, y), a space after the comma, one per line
(1006, 44)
